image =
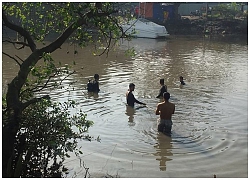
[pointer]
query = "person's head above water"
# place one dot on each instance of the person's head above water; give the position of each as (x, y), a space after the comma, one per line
(166, 96)
(96, 76)
(162, 81)
(131, 86)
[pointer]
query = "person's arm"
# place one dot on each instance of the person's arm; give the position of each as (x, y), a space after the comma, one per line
(160, 93)
(128, 98)
(166, 88)
(138, 101)
(173, 110)
(98, 86)
(157, 111)
(162, 90)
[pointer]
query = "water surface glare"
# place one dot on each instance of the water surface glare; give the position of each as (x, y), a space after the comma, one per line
(210, 126)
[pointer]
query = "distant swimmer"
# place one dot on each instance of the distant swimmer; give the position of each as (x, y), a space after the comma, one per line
(130, 96)
(181, 80)
(165, 110)
(163, 89)
(93, 85)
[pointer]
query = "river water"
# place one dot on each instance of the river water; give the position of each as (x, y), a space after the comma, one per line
(210, 125)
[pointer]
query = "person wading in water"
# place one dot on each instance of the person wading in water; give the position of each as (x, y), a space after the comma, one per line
(130, 97)
(93, 85)
(181, 80)
(162, 90)
(165, 110)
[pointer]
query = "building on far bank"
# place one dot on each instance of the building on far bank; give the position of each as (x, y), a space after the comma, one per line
(158, 12)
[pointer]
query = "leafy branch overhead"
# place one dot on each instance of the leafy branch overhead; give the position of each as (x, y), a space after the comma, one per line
(75, 21)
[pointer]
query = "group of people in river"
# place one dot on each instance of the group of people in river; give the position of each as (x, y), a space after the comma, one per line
(165, 109)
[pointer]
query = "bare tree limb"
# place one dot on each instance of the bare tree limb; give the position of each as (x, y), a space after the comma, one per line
(20, 30)
(39, 88)
(34, 100)
(67, 76)
(17, 42)
(83, 20)
(119, 26)
(19, 58)
(108, 45)
(35, 89)
(12, 58)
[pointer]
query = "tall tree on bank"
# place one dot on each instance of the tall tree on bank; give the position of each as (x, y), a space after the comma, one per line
(22, 111)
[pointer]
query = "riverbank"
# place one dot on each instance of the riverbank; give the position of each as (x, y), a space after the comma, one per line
(197, 25)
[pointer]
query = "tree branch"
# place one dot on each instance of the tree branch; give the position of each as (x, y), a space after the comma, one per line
(67, 76)
(65, 35)
(119, 26)
(12, 58)
(20, 30)
(35, 89)
(19, 58)
(17, 42)
(34, 100)
(108, 45)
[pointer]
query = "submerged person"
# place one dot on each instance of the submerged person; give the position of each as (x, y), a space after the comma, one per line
(163, 89)
(93, 85)
(181, 80)
(130, 96)
(165, 110)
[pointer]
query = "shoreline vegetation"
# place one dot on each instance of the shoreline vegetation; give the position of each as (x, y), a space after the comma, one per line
(188, 25)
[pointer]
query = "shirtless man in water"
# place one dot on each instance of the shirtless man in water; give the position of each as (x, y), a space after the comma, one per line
(165, 110)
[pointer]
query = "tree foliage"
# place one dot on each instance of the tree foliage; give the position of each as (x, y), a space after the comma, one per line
(227, 10)
(37, 133)
(46, 135)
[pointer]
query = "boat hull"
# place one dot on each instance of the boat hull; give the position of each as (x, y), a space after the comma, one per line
(144, 29)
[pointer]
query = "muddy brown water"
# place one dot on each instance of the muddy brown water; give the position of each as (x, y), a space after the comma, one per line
(210, 125)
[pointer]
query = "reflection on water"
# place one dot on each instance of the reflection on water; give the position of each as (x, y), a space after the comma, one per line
(210, 120)
(93, 94)
(163, 150)
(130, 112)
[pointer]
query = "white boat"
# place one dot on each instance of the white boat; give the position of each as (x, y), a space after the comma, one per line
(143, 28)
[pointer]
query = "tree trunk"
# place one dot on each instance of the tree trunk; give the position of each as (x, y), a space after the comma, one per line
(14, 111)
(8, 140)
